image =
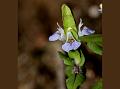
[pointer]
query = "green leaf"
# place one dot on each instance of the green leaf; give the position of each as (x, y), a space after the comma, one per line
(99, 43)
(82, 59)
(92, 38)
(78, 80)
(70, 82)
(75, 55)
(68, 70)
(67, 60)
(98, 85)
(95, 48)
(74, 81)
(68, 20)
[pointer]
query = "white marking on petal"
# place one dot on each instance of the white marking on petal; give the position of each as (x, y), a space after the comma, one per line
(62, 34)
(80, 24)
(69, 36)
(79, 28)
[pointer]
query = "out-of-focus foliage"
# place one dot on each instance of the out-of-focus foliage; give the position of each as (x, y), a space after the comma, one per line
(98, 85)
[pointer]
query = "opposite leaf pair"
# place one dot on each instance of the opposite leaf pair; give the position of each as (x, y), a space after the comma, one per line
(72, 70)
(73, 58)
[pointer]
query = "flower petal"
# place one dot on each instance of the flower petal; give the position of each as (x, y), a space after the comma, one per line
(69, 35)
(79, 28)
(80, 24)
(87, 31)
(54, 37)
(76, 45)
(80, 33)
(67, 47)
(61, 31)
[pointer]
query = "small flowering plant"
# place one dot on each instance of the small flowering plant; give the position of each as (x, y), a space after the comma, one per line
(72, 38)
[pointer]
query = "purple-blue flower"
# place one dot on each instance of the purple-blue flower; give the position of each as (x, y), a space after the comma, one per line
(70, 42)
(85, 30)
(58, 35)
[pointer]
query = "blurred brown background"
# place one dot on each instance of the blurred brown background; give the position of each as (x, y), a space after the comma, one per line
(39, 67)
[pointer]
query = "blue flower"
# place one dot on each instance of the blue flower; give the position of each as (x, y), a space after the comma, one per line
(70, 42)
(58, 35)
(85, 30)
